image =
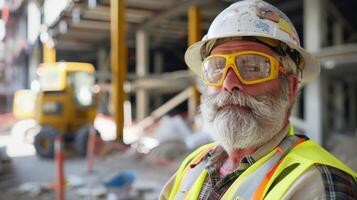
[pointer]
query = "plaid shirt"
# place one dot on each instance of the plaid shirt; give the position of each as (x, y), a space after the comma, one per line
(337, 184)
(214, 186)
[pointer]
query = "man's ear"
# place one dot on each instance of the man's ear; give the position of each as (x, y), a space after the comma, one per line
(293, 87)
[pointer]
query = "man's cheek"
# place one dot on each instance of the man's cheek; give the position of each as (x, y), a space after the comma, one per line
(212, 90)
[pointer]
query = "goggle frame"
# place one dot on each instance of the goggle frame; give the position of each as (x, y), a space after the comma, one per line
(275, 68)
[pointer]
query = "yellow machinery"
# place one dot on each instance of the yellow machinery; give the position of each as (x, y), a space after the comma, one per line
(24, 104)
(66, 104)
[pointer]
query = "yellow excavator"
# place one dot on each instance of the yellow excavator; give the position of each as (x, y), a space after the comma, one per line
(65, 104)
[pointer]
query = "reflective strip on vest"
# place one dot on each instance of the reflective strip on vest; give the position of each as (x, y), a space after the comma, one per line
(185, 166)
(190, 178)
(251, 183)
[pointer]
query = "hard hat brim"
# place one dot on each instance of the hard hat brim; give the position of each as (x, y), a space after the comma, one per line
(310, 71)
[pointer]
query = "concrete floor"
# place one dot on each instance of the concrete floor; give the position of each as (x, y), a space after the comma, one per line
(150, 176)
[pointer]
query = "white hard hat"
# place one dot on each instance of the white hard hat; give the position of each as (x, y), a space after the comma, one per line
(255, 18)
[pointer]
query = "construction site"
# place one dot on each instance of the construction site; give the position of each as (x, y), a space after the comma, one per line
(97, 102)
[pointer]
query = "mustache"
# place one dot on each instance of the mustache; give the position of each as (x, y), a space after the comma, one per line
(223, 98)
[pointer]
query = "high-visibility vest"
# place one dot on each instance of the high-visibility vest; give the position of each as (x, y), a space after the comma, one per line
(256, 180)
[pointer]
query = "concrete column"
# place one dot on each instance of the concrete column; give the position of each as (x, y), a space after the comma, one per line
(339, 106)
(102, 64)
(313, 110)
(352, 106)
(337, 32)
(314, 38)
(34, 62)
(158, 68)
(103, 74)
(142, 63)
(315, 24)
(158, 62)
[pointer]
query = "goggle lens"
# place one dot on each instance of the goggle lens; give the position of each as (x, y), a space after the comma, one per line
(249, 67)
(213, 69)
(253, 67)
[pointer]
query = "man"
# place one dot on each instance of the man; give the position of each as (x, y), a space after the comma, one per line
(252, 63)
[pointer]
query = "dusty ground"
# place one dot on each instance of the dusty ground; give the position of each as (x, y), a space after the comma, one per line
(150, 176)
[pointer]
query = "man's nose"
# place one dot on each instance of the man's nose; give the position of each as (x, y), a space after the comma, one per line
(231, 82)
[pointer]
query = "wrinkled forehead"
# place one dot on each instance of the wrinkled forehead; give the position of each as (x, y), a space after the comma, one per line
(233, 46)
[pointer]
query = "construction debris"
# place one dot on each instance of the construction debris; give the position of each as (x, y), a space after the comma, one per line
(92, 193)
(168, 150)
(33, 189)
(172, 128)
(75, 181)
(146, 188)
(123, 179)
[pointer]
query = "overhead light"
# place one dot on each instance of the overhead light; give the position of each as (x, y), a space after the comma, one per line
(63, 26)
(330, 64)
(92, 4)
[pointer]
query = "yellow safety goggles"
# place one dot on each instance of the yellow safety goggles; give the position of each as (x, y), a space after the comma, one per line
(251, 67)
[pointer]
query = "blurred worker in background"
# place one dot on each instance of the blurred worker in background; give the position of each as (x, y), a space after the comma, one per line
(252, 63)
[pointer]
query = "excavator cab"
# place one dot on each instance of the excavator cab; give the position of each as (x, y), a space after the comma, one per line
(66, 104)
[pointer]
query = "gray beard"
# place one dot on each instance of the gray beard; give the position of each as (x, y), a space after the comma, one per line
(237, 128)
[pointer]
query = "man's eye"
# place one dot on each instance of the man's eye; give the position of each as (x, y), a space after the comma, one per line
(218, 70)
(250, 69)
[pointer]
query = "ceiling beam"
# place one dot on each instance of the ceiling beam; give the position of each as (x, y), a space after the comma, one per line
(91, 25)
(74, 45)
(98, 13)
(338, 54)
(175, 10)
(83, 36)
(103, 13)
(151, 4)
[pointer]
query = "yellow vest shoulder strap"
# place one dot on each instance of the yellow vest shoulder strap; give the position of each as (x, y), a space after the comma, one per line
(186, 163)
(305, 154)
